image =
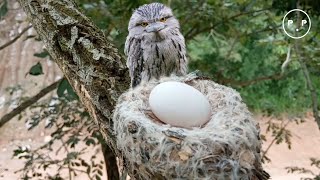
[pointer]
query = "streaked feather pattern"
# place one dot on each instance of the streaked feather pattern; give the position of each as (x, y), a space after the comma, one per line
(151, 55)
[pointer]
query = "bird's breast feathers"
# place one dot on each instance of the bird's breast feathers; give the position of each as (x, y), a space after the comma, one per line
(164, 57)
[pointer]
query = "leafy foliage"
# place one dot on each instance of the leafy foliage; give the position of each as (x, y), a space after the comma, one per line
(69, 121)
(239, 43)
(314, 162)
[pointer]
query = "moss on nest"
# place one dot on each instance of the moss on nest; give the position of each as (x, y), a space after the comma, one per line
(227, 147)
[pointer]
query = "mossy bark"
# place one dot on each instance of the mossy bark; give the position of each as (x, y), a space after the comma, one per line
(88, 60)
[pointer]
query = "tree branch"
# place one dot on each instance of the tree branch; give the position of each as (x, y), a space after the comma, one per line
(223, 80)
(111, 162)
(260, 31)
(275, 138)
(14, 39)
(6, 118)
(314, 97)
(91, 64)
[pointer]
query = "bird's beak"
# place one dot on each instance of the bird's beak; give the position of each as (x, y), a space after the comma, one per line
(154, 27)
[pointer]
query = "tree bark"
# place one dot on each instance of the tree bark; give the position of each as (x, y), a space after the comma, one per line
(88, 60)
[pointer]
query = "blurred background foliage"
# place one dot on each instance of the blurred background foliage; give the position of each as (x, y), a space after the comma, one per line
(239, 43)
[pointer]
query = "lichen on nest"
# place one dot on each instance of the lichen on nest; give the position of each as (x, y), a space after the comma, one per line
(227, 147)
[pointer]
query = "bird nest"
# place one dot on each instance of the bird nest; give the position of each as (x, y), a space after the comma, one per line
(226, 147)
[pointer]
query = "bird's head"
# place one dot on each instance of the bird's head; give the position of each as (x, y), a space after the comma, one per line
(153, 21)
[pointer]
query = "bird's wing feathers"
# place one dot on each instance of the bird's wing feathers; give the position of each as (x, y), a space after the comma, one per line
(135, 60)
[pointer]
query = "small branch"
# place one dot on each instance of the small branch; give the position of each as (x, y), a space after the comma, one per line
(14, 39)
(259, 31)
(6, 118)
(232, 47)
(283, 127)
(67, 151)
(277, 76)
(287, 61)
(314, 97)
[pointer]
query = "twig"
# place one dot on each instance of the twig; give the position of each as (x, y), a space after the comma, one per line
(232, 47)
(277, 76)
(287, 61)
(6, 118)
(14, 39)
(259, 31)
(275, 137)
(69, 164)
(314, 97)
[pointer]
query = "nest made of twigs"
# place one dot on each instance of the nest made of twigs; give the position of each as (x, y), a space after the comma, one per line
(227, 147)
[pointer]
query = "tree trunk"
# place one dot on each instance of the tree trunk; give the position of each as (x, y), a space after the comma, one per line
(88, 60)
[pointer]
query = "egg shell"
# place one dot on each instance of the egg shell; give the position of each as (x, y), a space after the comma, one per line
(179, 104)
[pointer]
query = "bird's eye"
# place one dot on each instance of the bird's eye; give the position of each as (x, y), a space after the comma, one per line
(163, 19)
(144, 24)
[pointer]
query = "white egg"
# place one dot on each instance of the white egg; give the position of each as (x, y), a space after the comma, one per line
(179, 104)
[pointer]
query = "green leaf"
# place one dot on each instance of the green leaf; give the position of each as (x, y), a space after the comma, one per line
(42, 54)
(36, 69)
(16, 152)
(90, 141)
(100, 172)
(71, 94)
(62, 87)
(83, 163)
(19, 151)
(77, 164)
(65, 90)
(72, 141)
(98, 177)
(88, 170)
(72, 155)
(3, 8)
(29, 37)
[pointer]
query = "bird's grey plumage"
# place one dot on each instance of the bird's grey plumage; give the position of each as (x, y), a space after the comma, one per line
(154, 47)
